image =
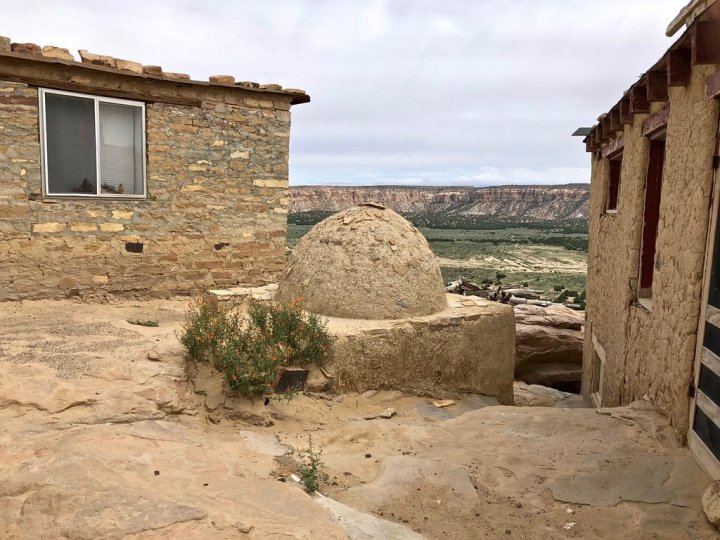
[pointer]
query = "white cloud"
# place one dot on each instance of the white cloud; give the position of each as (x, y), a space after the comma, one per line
(402, 90)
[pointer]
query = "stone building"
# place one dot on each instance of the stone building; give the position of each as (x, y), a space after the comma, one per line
(652, 326)
(121, 178)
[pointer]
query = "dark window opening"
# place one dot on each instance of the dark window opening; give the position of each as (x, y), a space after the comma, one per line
(651, 215)
(134, 247)
(615, 167)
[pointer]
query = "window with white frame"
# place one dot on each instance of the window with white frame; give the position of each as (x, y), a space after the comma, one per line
(92, 146)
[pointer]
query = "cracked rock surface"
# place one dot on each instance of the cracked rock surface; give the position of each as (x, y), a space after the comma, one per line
(106, 433)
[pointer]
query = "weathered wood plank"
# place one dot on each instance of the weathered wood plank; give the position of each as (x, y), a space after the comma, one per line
(712, 85)
(678, 67)
(625, 115)
(656, 121)
(613, 147)
(638, 99)
(705, 42)
(657, 86)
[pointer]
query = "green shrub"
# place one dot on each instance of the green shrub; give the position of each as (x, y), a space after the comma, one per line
(206, 328)
(499, 276)
(251, 352)
(311, 468)
(558, 288)
(144, 322)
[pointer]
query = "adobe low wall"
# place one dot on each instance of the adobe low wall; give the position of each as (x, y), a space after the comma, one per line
(468, 347)
(215, 215)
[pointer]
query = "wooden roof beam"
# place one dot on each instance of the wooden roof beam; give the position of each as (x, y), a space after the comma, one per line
(712, 85)
(638, 99)
(657, 86)
(626, 116)
(705, 42)
(678, 67)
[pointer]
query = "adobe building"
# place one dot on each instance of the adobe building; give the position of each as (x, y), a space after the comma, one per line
(653, 309)
(121, 178)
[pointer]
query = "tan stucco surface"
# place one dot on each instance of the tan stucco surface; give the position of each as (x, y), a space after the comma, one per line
(467, 347)
(651, 351)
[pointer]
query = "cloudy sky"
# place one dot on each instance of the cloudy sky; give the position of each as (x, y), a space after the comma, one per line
(454, 92)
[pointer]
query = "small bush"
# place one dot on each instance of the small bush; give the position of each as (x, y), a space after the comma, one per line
(207, 327)
(499, 276)
(251, 352)
(144, 322)
(311, 468)
(558, 288)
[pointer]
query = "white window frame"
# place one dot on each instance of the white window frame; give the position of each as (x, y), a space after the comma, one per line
(97, 100)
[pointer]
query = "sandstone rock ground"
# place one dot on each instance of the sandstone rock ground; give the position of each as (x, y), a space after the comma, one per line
(99, 441)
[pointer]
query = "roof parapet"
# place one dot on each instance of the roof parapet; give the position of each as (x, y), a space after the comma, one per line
(56, 54)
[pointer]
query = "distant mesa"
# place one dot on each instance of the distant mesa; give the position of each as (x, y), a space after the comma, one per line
(531, 203)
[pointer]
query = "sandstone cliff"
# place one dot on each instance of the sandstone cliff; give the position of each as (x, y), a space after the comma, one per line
(536, 203)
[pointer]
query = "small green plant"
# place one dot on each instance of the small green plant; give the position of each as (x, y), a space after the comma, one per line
(499, 276)
(252, 351)
(558, 288)
(144, 322)
(311, 468)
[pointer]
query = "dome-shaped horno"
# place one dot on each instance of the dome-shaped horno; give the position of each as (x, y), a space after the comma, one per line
(366, 262)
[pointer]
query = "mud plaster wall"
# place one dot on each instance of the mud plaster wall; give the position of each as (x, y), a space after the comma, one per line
(217, 183)
(652, 351)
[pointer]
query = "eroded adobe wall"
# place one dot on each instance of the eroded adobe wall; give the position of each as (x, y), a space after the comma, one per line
(651, 352)
(217, 177)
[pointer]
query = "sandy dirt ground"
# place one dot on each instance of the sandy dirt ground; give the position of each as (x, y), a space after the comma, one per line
(105, 432)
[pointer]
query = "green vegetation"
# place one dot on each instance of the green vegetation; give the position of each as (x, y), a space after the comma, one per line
(144, 322)
(549, 256)
(311, 468)
(252, 351)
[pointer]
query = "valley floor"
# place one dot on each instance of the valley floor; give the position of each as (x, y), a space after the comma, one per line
(103, 434)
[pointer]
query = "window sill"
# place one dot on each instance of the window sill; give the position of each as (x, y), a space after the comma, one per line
(88, 198)
(611, 212)
(646, 303)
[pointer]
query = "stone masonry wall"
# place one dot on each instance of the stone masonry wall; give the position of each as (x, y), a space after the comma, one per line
(217, 182)
(651, 351)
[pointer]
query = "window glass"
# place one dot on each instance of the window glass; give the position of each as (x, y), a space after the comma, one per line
(70, 136)
(120, 149)
(81, 159)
